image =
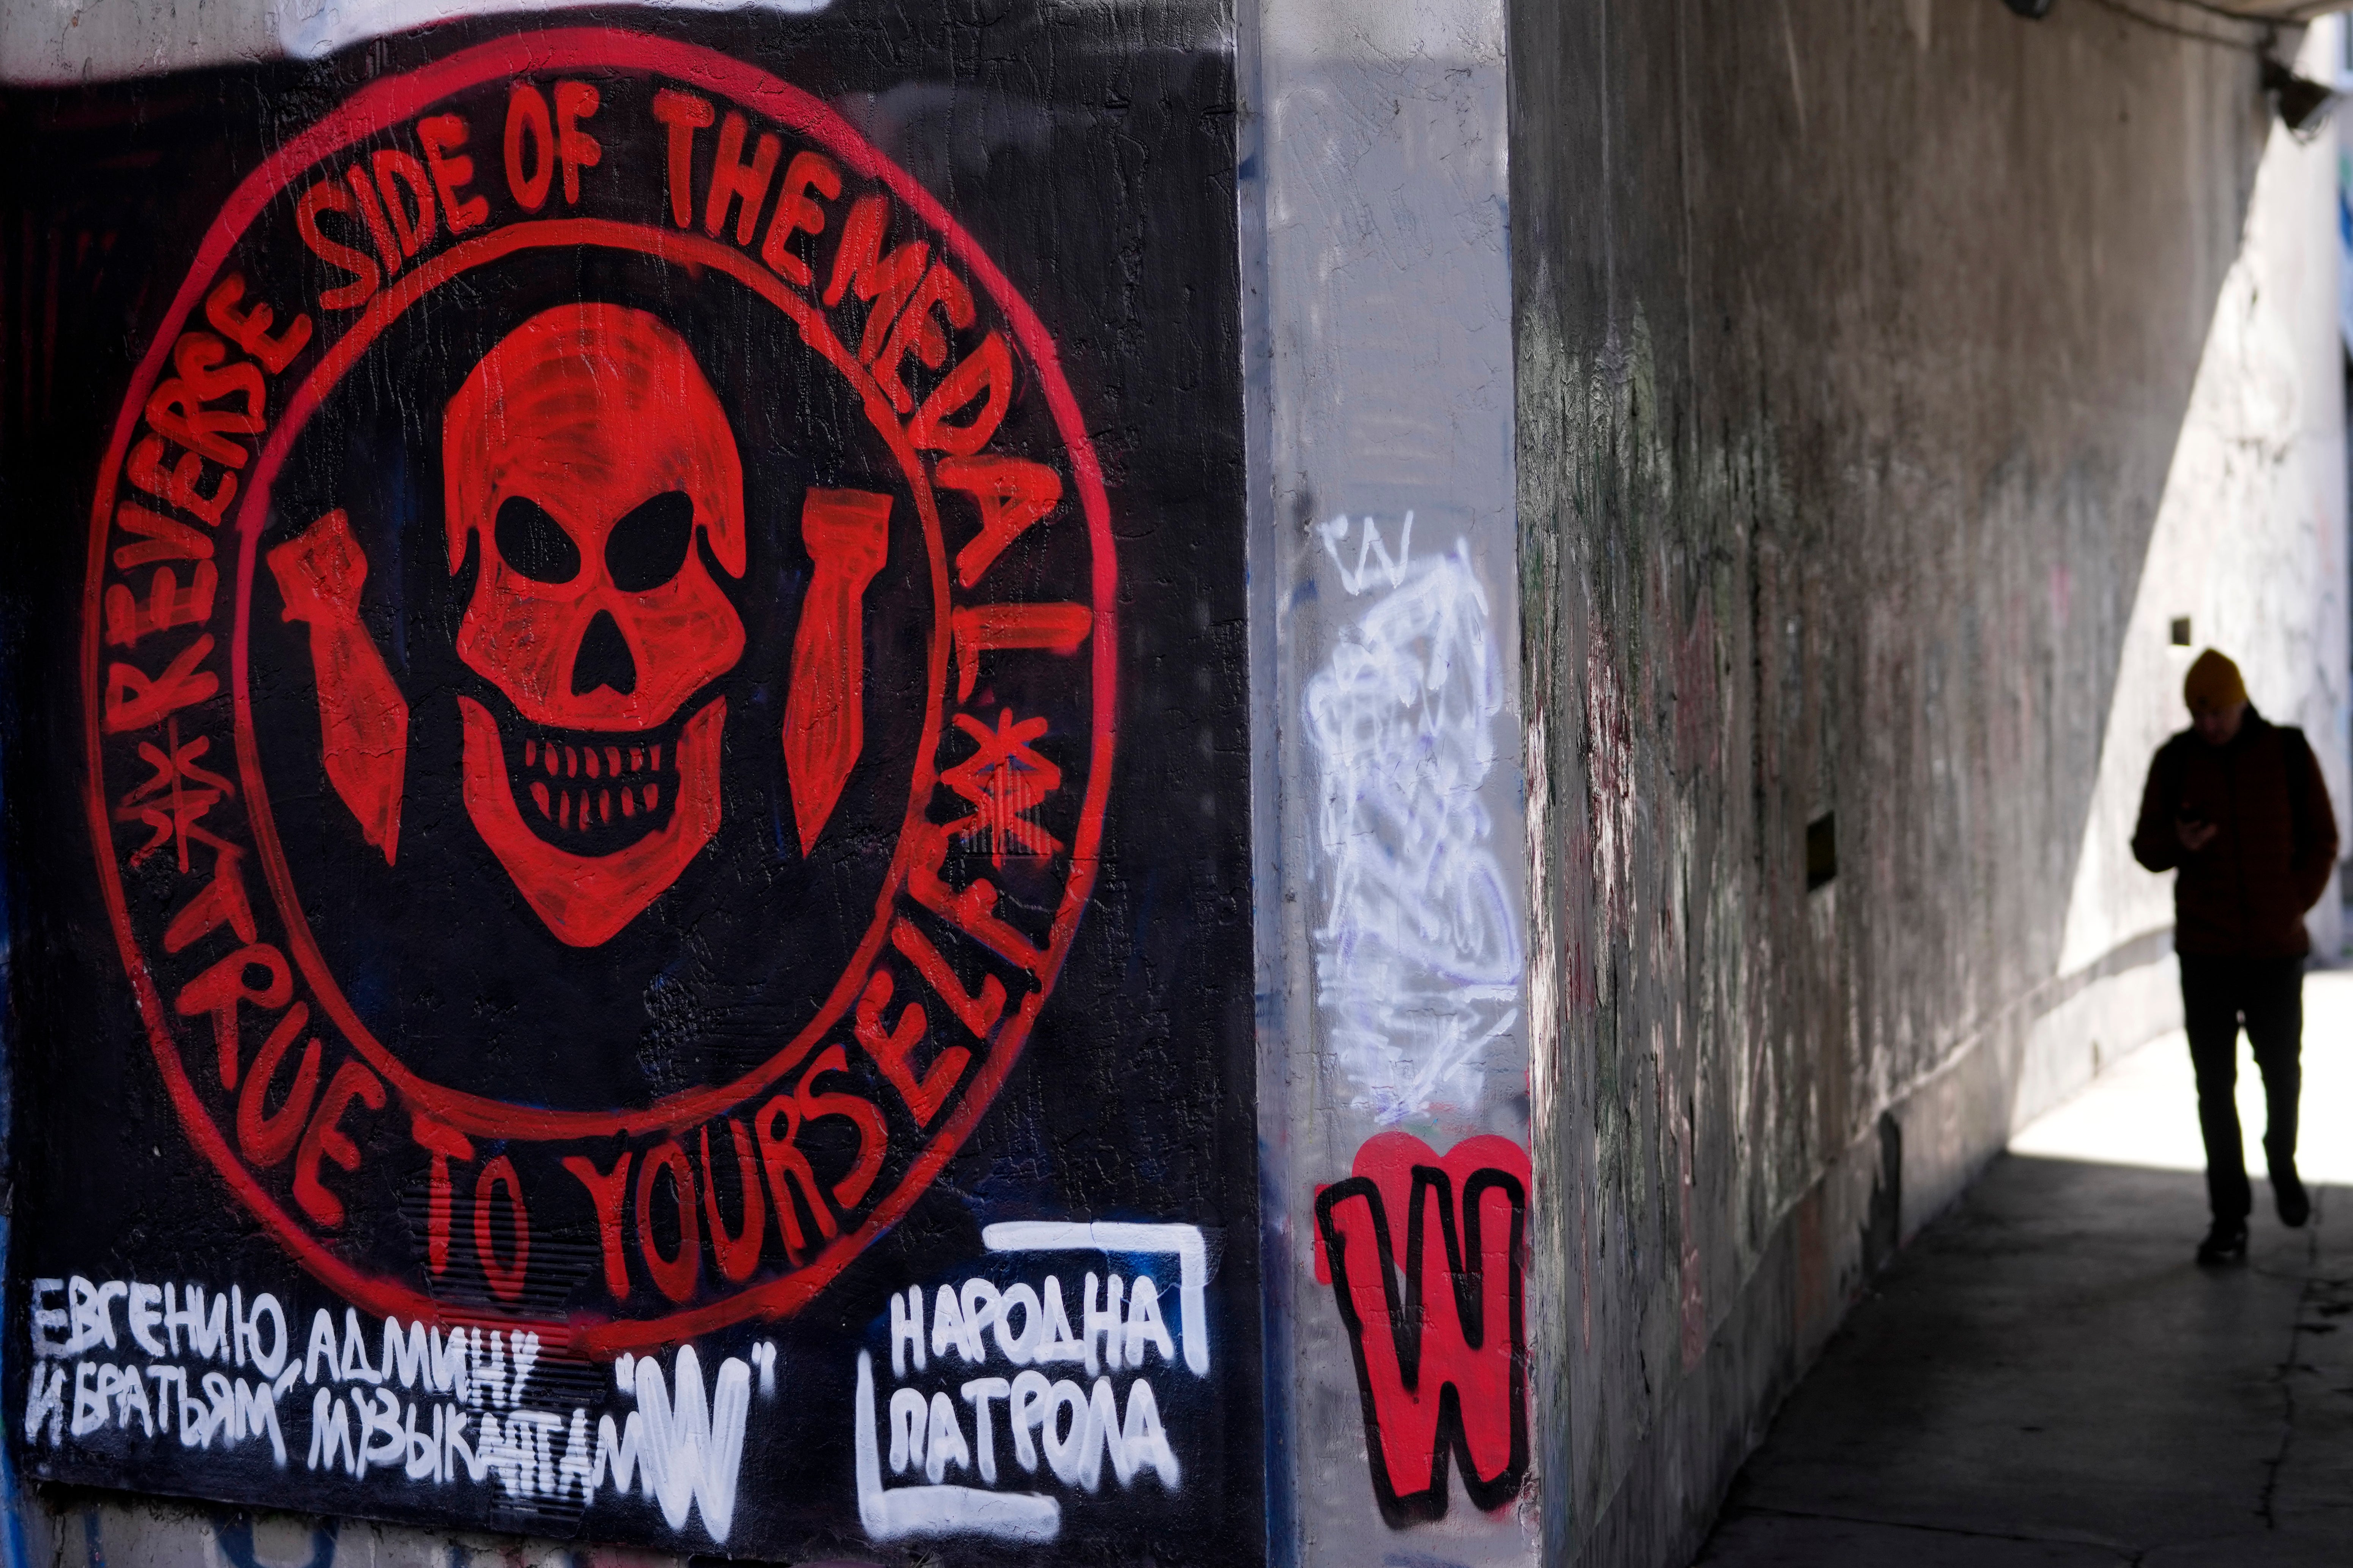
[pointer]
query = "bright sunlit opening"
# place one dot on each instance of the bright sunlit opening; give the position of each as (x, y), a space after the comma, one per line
(2143, 1111)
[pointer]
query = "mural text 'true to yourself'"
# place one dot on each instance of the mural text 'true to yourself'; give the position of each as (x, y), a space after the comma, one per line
(600, 657)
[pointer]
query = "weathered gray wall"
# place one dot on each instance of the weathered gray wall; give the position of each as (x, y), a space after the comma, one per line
(1856, 348)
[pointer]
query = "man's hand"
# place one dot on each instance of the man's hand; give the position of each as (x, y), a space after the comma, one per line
(2194, 836)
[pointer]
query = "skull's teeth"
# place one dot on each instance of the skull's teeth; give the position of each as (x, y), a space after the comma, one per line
(571, 807)
(583, 808)
(596, 762)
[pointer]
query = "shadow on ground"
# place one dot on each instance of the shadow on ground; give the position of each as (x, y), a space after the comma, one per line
(2045, 1377)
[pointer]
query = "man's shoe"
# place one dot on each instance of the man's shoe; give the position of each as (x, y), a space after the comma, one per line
(2225, 1242)
(2295, 1203)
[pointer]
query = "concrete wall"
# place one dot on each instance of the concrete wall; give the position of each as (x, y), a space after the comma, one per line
(1386, 689)
(1386, 734)
(1658, 429)
(1889, 377)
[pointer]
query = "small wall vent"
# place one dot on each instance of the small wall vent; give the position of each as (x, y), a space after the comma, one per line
(1821, 850)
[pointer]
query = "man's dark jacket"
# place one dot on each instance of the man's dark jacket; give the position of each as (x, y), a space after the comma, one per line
(2242, 896)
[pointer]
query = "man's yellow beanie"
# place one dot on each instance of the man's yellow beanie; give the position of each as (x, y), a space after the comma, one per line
(2213, 684)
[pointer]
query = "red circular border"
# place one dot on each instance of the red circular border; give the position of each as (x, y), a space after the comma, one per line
(398, 99)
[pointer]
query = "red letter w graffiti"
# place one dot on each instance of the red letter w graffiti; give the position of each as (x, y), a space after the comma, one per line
(1443, 1369)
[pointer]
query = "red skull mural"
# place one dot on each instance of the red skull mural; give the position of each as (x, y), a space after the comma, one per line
(708, 1069)
(596, 952)
(582, 459)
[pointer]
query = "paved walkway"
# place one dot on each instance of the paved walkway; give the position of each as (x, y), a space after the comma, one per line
(2045, 1378)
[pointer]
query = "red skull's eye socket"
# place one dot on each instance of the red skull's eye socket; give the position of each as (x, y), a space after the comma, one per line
(534, 544)
(646, 548)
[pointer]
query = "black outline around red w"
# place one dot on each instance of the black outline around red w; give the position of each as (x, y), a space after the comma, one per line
(1466, 1269)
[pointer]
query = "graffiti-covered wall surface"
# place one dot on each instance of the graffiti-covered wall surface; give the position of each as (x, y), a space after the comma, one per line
(1889, 379)
(627, 830)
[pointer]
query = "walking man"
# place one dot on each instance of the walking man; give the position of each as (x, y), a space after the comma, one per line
(2236, 805)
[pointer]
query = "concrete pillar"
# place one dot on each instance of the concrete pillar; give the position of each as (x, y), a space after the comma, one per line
(1393, 934)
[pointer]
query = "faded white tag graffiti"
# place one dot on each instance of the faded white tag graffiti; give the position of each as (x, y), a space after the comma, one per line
(1418, 960)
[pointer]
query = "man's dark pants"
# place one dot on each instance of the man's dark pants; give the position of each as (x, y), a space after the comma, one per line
(2216, 994)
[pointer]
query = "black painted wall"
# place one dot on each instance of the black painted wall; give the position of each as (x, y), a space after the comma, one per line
(652, 1054)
